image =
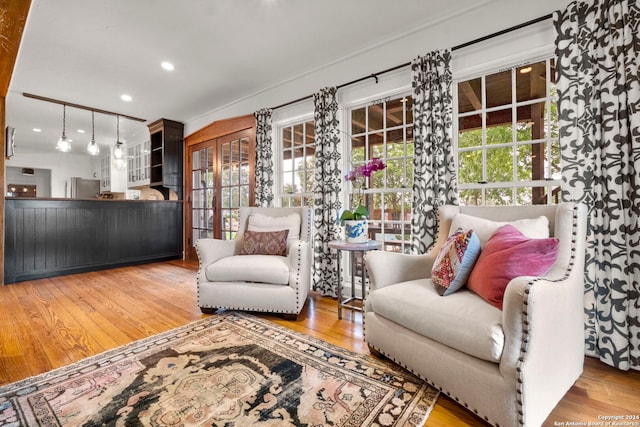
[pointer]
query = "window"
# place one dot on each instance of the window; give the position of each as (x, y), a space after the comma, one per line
(384, 129)
(298, 161)
(507, 137)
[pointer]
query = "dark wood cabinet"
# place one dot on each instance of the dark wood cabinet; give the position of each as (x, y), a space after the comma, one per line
(167, 150)
(54, 237)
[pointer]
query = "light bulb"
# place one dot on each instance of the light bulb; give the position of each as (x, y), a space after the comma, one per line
(93, 148)
(118, 152)
(63, 145)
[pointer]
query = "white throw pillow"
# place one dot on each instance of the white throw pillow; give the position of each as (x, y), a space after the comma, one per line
(261, 222)
(534, 228)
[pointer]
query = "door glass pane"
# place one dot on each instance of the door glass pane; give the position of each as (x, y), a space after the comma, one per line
(235, 183)
(202, 194)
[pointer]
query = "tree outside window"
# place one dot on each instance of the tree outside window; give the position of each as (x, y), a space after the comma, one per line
(507, 139)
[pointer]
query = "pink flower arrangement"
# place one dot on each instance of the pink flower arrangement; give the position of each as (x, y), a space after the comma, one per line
(358, 177)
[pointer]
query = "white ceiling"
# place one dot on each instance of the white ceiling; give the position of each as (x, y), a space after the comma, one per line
(89, 52)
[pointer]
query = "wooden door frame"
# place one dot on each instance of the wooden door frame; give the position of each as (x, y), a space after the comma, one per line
(11, 30)
(210, 134)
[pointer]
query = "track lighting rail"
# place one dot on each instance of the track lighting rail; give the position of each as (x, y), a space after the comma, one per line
(83, 107)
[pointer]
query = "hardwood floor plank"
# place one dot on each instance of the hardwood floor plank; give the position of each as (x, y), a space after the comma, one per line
(49, 323)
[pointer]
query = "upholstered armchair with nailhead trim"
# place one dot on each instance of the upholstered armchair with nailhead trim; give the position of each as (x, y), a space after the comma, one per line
(509, 361)
(265, 268)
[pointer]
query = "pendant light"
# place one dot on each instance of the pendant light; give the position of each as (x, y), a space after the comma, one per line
(63, 143)
(93, 148)
(118, 150)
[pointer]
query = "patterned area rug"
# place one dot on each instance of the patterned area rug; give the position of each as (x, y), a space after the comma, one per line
(225, 370)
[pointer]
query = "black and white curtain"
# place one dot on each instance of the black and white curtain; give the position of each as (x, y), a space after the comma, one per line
(598, 50)
(434, 179)
(264, 158)
(326, 190)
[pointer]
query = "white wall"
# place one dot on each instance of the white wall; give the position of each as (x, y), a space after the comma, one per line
(62, 165)
(485, 18)
(41, 178)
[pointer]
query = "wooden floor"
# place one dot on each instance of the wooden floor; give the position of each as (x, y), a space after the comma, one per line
(50, 323)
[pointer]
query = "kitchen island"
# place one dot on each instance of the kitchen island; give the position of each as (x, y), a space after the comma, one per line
(55, 237)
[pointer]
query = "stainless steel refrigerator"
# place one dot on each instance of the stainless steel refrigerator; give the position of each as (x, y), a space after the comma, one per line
(79, 188)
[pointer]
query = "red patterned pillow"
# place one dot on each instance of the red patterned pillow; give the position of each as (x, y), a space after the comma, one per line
(265, 243)
(454, 262)
(509, 254)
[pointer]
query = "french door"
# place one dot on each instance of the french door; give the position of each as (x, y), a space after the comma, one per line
(221, 181)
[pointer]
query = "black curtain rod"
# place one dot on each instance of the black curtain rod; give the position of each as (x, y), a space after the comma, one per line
(406, 64)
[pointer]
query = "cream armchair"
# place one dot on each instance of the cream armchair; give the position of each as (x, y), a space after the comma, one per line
(264, 283)
(509, 366)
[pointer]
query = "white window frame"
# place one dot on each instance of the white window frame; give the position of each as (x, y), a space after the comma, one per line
(349, 165)
(279, 144)
(550, 182)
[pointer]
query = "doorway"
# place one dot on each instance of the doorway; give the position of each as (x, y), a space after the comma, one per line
(220, 181)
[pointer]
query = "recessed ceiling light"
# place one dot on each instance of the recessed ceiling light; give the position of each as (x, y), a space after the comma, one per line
(125, 97)
(167, 66)
(525, 70)
(80, 130)
(37, 130)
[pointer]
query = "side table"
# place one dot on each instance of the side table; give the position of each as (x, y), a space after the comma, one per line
(342, 245)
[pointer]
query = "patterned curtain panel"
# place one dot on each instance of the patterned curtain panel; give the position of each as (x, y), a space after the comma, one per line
(597, 48)
(264, 158)
(434, 180)
(326, 191)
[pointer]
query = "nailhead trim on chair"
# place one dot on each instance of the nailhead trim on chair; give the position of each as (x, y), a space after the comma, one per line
(523, 348)
(525, 319)
(438, 387)
(299, 306)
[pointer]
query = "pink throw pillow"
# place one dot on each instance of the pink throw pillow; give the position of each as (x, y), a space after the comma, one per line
(508, 254)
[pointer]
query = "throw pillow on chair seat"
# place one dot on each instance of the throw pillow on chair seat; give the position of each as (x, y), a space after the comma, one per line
(271, 269)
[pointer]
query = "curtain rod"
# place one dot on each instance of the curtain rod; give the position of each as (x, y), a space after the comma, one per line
(406, 64)
(82, 107)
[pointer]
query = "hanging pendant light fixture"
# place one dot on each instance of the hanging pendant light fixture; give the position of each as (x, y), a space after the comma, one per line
(93, 148)
(118, 149)
(63, 143)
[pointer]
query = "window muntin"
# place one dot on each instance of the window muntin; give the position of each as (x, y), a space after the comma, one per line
(507, 137)
(384, 129)
(297, 157)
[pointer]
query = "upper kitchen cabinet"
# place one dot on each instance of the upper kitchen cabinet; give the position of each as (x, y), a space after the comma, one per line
(138, 164)
(113, 177)
(166, 156)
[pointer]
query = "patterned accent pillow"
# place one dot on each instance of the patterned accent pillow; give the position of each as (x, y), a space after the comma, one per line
(509, 254)
(265, 243)
(455, 261)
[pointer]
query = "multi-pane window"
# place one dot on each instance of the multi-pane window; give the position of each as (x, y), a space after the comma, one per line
(234, 185)
(507, 137)
(384, 129)
(298, 160)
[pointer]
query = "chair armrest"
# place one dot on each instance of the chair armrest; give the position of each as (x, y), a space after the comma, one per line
(543, 323)
(299, 265)
(211, 250)
(387, 268)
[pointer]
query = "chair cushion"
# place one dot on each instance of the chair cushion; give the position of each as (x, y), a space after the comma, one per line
(264, 243)
(463, 320)
(454, 262)
(535, 228)
(271, 269)
(261, 222)
(509, 254)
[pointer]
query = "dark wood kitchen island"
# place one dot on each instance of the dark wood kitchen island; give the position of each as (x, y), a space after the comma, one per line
(54, 237)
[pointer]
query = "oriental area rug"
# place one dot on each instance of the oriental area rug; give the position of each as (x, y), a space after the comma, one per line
(225, 370)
